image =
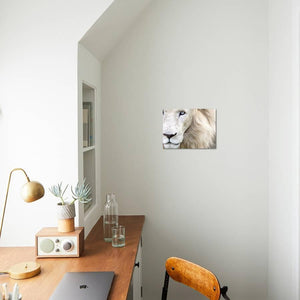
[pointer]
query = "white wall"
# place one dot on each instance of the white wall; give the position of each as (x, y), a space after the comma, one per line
(38, 131)
(89, 72)
(284, 149)
(38, 100)
(208, 206)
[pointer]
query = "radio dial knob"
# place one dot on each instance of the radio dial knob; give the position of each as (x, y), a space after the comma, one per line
(68, 245)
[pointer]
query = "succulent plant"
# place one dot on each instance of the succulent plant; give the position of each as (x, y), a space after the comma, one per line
(81, 192)
(58, 191)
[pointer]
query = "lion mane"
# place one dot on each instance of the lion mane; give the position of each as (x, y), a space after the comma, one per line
(202, 131)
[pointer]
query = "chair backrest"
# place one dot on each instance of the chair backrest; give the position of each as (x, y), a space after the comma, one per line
(194, 276)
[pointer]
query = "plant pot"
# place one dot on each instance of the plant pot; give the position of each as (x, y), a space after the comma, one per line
(65, 216)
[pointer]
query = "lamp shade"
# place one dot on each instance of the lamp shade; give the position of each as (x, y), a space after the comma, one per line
(32, 191)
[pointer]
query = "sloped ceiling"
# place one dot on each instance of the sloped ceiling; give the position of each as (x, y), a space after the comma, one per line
(111, 25)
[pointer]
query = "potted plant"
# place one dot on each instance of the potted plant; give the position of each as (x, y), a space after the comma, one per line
(66, 210)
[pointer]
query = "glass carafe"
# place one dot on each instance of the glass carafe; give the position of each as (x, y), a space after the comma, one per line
(110, 216)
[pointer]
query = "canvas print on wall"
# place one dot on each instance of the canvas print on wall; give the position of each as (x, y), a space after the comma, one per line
(192, 128)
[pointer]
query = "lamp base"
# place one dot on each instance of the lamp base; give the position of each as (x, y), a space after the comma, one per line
(24, 270)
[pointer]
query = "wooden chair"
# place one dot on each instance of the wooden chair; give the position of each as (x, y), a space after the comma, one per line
(194, 276)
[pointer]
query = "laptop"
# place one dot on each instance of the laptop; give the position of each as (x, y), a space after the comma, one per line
(83, 286)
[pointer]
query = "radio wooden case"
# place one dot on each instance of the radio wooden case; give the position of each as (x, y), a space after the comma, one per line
(49, 242)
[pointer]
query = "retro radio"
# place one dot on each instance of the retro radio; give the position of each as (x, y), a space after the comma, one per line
(51, 243)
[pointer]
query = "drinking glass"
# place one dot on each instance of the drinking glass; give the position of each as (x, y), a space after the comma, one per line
(118, 236)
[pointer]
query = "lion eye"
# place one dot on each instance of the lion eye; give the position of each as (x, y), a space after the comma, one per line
(163, 112)
(182, 112)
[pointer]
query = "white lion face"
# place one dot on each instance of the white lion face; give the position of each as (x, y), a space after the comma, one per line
(175, 123)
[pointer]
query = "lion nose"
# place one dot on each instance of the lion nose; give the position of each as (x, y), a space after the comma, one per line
(169, 136)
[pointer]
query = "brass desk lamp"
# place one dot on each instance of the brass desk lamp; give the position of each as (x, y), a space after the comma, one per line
(31, 191)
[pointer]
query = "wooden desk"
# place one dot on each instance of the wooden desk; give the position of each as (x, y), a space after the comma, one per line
(97, 256)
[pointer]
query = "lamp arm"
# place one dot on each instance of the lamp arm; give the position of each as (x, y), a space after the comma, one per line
(3, 213)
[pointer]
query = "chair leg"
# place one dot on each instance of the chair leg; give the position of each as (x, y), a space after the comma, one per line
(224, 290)
(165, 287)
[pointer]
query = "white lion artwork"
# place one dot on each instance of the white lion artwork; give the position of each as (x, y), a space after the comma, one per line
(189, 128)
